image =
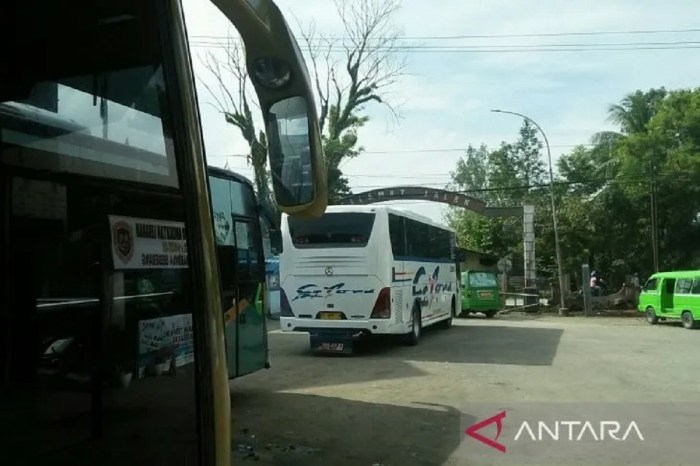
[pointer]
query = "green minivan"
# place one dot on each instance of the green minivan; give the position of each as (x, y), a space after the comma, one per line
(480, 292)
(672, 296)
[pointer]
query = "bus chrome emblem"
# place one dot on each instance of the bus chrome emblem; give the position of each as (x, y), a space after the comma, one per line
(329, 271)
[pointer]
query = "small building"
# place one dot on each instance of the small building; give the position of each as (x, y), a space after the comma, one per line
(475, 260)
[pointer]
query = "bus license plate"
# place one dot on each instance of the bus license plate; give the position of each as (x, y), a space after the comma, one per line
(485, 294)
(331, 316)
(331, 346)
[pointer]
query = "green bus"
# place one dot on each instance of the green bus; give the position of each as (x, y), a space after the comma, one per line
(672, 296)
(127, 266)
(480, 293)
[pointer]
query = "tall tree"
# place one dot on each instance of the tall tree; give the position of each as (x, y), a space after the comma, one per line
(372, 62)
(527, 155)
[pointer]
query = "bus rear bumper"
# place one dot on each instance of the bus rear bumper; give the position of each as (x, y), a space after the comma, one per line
(353, 327)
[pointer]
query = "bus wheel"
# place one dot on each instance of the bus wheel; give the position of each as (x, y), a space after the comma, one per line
(651, 316)
(453, 313)
(490, 314)
(688, 321)
(413, 336)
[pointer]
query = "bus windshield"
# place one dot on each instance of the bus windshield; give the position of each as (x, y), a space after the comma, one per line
(338, 229)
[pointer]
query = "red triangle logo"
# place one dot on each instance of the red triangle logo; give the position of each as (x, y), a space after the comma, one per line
(472, 431)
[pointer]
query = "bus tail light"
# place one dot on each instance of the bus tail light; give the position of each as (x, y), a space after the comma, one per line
(285, 307)
(382, 308)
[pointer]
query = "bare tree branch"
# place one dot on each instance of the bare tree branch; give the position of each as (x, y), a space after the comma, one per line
(348, 74)
(371, 58)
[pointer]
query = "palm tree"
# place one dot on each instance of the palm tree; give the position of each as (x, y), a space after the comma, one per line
(634, 111)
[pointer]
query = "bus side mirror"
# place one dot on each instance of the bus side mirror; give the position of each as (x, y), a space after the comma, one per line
(281, 80)
(289, 148)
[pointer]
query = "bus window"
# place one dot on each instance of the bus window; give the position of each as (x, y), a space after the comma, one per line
(338, 230)
(397, 235)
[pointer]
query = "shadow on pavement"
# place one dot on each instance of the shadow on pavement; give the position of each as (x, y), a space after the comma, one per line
(294, 366)
(492, 344)
(313, 430)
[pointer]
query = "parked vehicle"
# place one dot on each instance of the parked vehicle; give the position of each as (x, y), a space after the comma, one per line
(672, 296)
(480, 293)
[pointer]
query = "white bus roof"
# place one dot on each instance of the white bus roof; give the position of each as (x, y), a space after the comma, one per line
(388, 208)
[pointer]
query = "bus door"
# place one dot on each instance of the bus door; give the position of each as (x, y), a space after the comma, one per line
(250, 270)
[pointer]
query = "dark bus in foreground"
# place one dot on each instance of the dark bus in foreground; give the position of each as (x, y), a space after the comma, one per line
(124, 265)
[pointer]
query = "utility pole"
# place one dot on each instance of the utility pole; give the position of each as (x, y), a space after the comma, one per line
(654, 218)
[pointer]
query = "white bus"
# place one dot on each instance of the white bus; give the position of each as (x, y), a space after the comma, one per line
(366, 270)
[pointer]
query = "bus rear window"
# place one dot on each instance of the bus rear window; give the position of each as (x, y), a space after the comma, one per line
(332, 230)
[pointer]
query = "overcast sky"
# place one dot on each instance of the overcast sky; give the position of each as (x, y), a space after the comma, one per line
(447, 96)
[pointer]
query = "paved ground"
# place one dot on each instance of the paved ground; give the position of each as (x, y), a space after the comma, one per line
(395, 405)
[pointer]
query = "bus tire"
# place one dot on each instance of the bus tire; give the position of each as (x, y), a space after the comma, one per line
(489, 314)
(412, 337)
(688, 321)
(651, 317)
(447, 323)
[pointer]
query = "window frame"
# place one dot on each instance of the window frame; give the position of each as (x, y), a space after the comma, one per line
(696, 280)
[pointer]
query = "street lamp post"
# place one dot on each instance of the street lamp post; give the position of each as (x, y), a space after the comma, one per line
(562, 307)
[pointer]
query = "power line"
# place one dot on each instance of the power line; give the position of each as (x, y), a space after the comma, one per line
(410, 47)
(495, 36)
(503, 49)
(561, 34)
(455, 149)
